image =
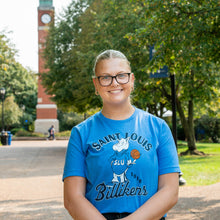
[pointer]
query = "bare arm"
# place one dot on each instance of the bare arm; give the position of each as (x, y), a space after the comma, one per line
(161, 202)
(76, 203)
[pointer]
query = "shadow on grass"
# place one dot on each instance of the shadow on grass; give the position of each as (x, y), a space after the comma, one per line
(195, 159)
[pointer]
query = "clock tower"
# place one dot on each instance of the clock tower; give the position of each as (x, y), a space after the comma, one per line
(46, 109)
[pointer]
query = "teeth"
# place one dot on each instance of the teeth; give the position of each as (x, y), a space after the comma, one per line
(115, 91)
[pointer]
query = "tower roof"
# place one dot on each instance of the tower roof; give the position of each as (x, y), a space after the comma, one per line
(46, 3)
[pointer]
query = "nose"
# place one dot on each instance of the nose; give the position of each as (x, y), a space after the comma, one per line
(114, 81)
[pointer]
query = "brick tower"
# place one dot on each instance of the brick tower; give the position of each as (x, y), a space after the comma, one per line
(46, 109)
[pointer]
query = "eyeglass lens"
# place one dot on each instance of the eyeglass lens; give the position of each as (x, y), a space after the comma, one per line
(122, 78)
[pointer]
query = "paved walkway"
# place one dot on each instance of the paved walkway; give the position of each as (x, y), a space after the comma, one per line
(197, 203)
(31, 186)
(31, 180)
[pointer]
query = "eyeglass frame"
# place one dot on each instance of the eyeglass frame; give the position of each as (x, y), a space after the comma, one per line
(113, 77)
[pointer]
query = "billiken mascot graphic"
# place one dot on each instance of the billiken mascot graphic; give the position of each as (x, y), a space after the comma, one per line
(121, 160)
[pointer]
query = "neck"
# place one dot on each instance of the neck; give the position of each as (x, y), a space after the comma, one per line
(118, 112)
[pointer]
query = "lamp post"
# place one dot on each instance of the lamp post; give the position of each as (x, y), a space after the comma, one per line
(23, 109)
(2, 94)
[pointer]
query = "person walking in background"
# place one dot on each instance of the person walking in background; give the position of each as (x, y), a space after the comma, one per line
(51, 131)
(121, 163)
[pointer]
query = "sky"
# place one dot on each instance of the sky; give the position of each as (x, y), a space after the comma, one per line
(20, 17)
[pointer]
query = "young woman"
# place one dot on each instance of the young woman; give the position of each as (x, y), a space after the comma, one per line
(121, 163)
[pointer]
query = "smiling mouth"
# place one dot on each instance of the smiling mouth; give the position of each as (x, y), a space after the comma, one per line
(115, 91)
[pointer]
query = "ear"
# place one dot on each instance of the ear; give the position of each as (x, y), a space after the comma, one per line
(132, 79)
(95, 83)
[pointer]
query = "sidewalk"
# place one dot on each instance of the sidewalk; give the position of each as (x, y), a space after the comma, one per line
(197, 203)
(31, 186)
(31, 180)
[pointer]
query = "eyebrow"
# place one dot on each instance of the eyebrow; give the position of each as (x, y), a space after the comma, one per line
(108, 74)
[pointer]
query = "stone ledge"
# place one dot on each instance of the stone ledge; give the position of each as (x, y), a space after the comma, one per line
(36, 138)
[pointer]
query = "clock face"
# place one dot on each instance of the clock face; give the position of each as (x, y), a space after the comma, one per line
(46, 18)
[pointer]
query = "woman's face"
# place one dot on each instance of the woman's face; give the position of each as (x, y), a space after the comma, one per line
(114, 94)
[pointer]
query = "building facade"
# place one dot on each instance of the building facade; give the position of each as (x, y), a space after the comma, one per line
(46, 109)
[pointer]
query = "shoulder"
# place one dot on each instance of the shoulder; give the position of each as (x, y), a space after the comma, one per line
(88, 123)
(81, 132)
(149, 117)
(153, 123)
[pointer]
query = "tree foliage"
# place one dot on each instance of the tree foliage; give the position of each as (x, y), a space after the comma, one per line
(208, 127)
(68, 79)
(20, 83)
(12, 113)
(87, 27)
(185, 35)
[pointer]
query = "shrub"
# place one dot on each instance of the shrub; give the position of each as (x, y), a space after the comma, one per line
(12, 113)
(23, 133)
(68, 120)
(63, 134)
(15, 130)
(208, 127)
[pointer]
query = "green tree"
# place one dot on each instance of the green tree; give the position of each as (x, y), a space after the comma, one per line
(7, 54)
(86, 28)
(210, 127)
(68, 79)
(186, 38)
(19, 82)
(22, 84)
(12, 113)
(183, 34)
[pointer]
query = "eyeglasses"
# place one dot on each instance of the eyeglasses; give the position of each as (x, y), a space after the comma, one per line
(121, 78)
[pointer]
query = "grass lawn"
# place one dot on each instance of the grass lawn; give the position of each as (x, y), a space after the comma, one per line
(201, 170)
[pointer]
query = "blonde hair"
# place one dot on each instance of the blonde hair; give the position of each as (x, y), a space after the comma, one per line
(109, 54)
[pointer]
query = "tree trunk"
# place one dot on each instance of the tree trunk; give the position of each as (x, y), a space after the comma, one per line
(188, 127)
(191, 134)
(182, 117)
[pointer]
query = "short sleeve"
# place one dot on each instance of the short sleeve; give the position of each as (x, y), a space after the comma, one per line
(167, 154)
(75, 157)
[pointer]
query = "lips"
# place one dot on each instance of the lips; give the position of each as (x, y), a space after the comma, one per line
(115, 91)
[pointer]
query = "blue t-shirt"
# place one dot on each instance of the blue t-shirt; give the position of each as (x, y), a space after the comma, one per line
(121, 159)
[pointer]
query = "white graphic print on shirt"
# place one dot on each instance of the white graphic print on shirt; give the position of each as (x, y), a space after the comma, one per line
(121, 161)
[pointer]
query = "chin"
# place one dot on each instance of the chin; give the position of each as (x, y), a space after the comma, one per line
(118, 102)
